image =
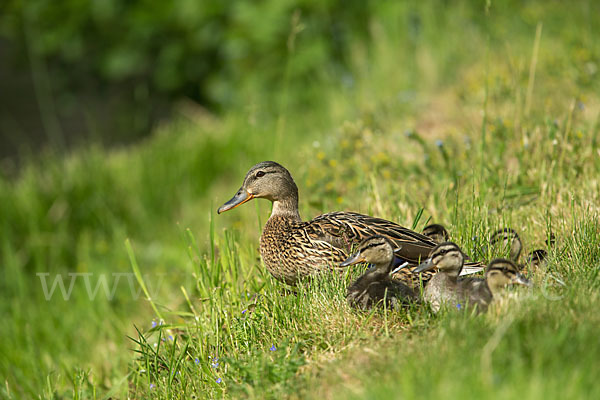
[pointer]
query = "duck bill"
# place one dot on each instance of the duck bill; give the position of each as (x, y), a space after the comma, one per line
(352, 260)
(519, 279)
(240, 198)
(424, 266)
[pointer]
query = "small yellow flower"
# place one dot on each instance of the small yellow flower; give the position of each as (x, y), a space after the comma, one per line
(320, 155)
(332, 163)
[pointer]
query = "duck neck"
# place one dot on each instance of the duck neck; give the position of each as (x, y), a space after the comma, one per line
(452, 276)
(382, 269)
(376, 273)
(286, 208)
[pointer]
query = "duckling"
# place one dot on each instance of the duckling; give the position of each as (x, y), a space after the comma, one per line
(537, 259)
(375, 284)
(436, 232)
(501, 273)
(508, 239)
(446, 287)
(443, 287)
(292, 248)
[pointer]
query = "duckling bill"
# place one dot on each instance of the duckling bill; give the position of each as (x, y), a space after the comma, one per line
(375, 286)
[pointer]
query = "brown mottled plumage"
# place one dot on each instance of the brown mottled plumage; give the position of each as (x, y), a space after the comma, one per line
(291, 248)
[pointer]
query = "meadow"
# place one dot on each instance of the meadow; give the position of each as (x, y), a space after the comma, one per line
(476, 116)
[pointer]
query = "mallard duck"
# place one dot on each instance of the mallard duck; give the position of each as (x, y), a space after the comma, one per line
(375, 284)
(508, 240)
(291, 248)
(446, 287)
(436, 232)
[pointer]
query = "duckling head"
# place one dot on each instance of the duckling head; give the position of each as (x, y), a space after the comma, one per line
(447, 257)
(508, 239)
(376, 250)
(501, 273)
(268, 180)
(537, 258)
(436, 232)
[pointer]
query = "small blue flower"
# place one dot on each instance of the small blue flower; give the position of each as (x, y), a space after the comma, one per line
(196, 360)
(152, 386)
(154, 324)
(171, 337)
(439, 143)
(458, 306)
(218, 380)
(244, 312)
(273, 348)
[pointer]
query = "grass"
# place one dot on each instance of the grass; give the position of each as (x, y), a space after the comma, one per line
(464, 117)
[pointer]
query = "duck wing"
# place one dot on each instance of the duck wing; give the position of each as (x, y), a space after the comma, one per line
(347, 229)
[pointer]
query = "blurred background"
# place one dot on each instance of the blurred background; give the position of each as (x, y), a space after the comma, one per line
(137, 119)
(108, 71)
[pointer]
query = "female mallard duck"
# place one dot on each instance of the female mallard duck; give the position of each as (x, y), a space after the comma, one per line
(436, 232)
(291, 248)
(446, 287)
(509, 241)
(375, 285)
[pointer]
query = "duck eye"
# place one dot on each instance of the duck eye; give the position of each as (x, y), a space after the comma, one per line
(260, 174)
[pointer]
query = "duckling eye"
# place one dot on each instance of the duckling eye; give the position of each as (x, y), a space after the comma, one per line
(260, 174)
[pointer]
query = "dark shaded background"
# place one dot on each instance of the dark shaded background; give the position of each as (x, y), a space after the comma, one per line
(71, 71)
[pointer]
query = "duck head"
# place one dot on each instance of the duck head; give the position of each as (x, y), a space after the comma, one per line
(267, 180)
(436, 232)
(537, 258)
(447, 257)
(376, 250)
(507, 239)
(501, 273)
